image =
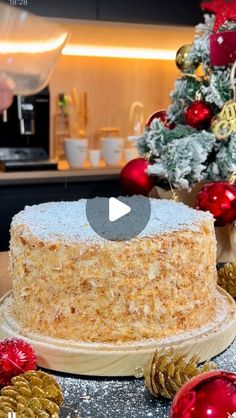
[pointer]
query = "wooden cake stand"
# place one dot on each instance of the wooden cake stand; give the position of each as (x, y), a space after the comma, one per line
(95, 359)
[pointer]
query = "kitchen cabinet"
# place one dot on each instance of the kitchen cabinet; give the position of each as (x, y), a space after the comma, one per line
(174, 12)
(14, 197)
(77, 9)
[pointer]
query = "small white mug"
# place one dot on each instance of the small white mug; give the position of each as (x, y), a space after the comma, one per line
(94, 157)
(112, 150)
(76, 151)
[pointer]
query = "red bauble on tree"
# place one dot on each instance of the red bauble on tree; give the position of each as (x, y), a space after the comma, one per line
(134, 179)
(199, 115)
(219, 198)
(16, 357)
(162, 115)
(209, 395)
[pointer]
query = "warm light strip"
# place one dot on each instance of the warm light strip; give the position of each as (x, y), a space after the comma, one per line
(119, 52)
(32, 47)
(86, 50)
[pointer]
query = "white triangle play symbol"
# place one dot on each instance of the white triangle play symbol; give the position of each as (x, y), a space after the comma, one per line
(117, 209)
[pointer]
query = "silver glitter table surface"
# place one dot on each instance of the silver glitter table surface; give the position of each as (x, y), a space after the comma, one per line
(122, 397)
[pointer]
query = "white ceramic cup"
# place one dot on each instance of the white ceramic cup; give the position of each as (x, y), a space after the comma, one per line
(112, 150)
(76, 151)
(94, 157)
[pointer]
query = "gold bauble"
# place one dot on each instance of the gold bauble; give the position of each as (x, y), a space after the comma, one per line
(182, 59)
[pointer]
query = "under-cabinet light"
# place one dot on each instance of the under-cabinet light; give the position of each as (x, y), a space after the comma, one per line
(119, 52)
(32, 47)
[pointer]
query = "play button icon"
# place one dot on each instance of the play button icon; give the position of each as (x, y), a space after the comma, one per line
(117, 209)
(121, 218)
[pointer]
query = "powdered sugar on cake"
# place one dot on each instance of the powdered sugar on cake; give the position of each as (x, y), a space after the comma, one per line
(67, 221)
(69, 283)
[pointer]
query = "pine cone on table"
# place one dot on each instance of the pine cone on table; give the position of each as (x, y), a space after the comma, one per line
(33, 394)
(227, 278)
(166, 371)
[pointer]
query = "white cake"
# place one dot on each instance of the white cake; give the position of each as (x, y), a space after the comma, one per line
(69, 283)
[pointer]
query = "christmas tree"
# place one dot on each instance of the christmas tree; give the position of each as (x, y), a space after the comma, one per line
(197, 141)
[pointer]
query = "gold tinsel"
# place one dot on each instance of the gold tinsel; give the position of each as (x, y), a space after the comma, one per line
(32, 394)
(166, 371)
(227, 278)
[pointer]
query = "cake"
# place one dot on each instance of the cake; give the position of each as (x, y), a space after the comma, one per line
(71, 284)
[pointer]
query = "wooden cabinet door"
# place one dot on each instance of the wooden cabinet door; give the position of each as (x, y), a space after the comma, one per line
(176, 12)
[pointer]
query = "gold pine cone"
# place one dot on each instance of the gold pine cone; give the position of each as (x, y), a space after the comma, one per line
(166, 371)
(32, 394)
(227, 278)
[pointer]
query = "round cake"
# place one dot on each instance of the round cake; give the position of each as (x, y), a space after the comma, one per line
(71, 284)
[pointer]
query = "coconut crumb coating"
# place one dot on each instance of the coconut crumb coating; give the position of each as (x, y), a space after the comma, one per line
(70, 283)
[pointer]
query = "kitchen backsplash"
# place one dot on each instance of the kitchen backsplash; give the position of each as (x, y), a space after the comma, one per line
(113, 84)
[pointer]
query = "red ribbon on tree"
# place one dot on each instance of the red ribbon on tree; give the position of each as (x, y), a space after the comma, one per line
(224, 11)
(222, 48)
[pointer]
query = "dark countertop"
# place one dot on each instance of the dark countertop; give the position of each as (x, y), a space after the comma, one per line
(121, 397)
(58, 176)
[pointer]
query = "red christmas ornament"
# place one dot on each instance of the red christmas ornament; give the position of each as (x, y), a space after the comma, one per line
(209, 395)
(224, 11)
(162, 115)
(219, 198)
(134, 179)
(16, 357)
(199, 115)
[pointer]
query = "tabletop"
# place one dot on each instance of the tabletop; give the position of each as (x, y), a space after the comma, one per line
(110, 397)
(57, 176)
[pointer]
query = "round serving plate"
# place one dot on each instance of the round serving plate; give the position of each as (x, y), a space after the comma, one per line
(101, 359)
